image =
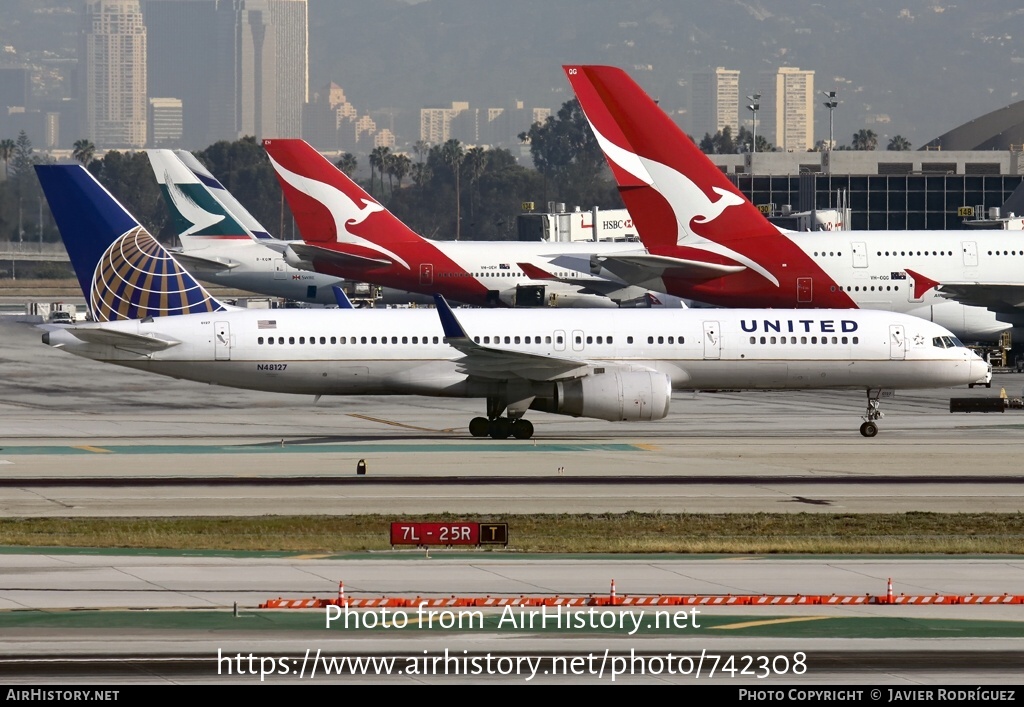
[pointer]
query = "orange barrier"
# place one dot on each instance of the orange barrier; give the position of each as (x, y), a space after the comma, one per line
(639, 600)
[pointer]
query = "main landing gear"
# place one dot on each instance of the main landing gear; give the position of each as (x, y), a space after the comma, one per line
(501, 428)
(504, 419)
(869, 428)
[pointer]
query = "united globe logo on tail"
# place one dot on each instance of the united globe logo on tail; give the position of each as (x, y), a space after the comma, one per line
(136, 277)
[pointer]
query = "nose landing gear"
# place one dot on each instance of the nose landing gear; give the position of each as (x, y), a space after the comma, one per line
(869, 428)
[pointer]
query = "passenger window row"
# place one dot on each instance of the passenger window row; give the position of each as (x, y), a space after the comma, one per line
(805, 340)
(302, 340)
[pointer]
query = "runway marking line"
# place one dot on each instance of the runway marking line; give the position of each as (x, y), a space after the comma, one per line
(648, 447)
(98, 450)
(322, 556)
(770, 622)
(398, 424)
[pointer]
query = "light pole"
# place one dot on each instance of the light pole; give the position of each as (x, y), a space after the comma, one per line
(831, 105)
(753, 107)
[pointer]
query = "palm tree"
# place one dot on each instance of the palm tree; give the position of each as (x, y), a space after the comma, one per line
(452, 155)
(6, 153)
(865, 139)
(379, 159)
(83, 151)
(476, 164)
(421, 149)
(898, 143)
(347, 163)
(398, 167)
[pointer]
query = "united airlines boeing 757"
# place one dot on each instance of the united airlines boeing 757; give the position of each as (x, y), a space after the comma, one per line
(149, 314)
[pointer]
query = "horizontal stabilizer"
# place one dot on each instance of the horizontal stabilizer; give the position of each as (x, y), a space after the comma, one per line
(198, 262)
(147, 343)
(649, 269)
(309, 252)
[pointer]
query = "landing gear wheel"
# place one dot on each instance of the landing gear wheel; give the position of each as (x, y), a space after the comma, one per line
(869, 429)
(522, 429)
(479, 427)
(500, 428)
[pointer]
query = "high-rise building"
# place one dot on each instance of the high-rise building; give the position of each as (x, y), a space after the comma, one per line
(240, 67)
(290, 19)
(786, 118)
(112, 73)
(715, 101)
(165, 122)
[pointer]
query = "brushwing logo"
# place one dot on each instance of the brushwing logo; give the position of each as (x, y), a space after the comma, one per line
(137, 278)
(344, 210)
(190, 210)
(688, 202)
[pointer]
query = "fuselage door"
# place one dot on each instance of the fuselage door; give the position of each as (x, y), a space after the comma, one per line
(897, 342)
(280, 269)
(221, 341)
(860, 254)
(426, 273)
(970, 251)
(804, 289)
(577, 340)
(712, 340)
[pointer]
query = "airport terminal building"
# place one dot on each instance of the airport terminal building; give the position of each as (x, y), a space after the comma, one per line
(929, 189)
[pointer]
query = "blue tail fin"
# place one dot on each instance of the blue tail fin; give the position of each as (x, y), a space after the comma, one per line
(123, 271)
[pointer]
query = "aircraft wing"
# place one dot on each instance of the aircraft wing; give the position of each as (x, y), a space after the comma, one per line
(308, 252)
(144, 343)
(995, 296)
(481, 361)
(999, 297)
(647, 270)
(198, 262)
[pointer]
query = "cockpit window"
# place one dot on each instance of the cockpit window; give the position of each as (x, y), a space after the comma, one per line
(947, 342)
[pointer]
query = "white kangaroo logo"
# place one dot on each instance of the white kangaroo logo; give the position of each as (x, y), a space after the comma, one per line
(688, 202)
(344, 210)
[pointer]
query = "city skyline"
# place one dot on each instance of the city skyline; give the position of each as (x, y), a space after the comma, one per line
(917, 71)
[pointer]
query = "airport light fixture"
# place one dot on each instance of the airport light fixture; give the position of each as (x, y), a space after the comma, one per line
(831, 105)
(753, 107)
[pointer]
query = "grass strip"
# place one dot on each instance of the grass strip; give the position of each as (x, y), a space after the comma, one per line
(755, 533)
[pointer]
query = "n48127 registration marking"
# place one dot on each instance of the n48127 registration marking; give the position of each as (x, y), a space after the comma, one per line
(271, 366)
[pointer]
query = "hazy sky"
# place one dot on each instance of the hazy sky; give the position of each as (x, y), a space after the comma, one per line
(917, 67)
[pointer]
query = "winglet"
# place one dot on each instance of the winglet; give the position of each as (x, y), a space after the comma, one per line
(343, 301)
(921, 283)
(535, 273)
(451, 326)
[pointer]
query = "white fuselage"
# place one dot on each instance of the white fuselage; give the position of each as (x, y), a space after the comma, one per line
(870, 266)
(265, 271)
(346, 352)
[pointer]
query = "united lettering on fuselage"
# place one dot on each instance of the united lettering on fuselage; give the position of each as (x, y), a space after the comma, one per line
(798, 326)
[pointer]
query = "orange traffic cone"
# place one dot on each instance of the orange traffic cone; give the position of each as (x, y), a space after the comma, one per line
(341, 594)
(888, 592)
(613, 593)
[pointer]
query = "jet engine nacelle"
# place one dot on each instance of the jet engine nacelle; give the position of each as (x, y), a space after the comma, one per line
(640, 395)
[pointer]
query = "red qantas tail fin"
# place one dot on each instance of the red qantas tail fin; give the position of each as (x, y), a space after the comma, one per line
(331, 210)
(674, 193)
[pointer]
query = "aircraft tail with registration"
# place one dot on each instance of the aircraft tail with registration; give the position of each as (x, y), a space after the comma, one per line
(685, 209)
(123, 271)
